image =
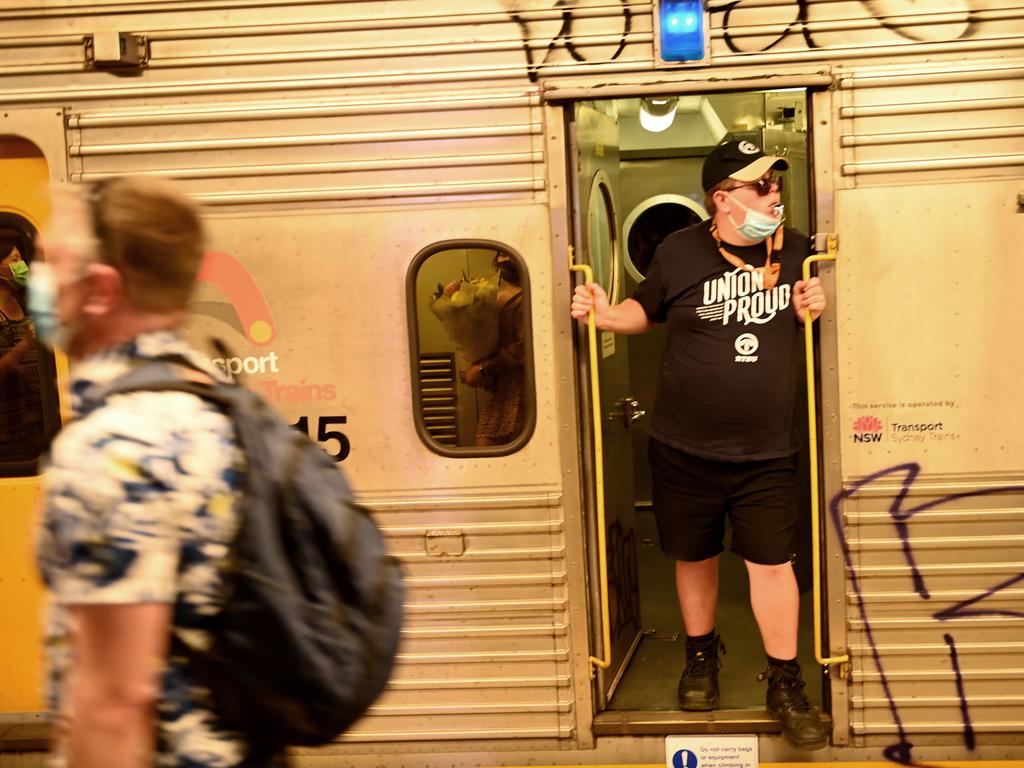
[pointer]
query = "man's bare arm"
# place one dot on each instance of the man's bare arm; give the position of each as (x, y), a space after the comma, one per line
(627, 317)
(118, 657)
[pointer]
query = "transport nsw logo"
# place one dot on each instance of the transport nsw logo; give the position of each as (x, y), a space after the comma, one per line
(867, 429)
(246, 309)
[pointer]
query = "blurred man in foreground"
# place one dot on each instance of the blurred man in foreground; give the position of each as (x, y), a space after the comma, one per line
(141, 491)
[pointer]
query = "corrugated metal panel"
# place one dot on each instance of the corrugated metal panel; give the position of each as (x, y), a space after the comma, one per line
(486, 646)
(936, 628)
(914, 376)
(931, 125)
(770, 31)
(370, 149)
(241, 47)
(360, 102)
(217, 50)
(439, 395)
(312, 102)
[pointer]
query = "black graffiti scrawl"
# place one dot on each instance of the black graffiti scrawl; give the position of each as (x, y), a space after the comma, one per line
(901, 514)
(623, 580)
(562, 31)
(554, 31)
(919, 21)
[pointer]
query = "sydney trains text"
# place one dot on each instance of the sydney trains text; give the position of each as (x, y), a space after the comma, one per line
(275, 392)
(272, 390)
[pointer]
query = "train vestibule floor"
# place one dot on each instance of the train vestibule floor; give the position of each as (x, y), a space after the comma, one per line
(650, 681)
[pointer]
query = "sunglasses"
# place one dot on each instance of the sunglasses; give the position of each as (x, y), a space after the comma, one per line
(763, 185)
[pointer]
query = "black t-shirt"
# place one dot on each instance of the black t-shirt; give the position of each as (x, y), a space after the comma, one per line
(726, 386)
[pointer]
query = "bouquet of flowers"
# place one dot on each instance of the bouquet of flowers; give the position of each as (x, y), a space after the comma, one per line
(468, 310)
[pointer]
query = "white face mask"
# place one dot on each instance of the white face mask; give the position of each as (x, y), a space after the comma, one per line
(756, 225)
(43, 288)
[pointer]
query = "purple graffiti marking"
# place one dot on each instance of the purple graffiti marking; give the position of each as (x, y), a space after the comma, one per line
(902, 516)
(901, 751)
(960, 609)
(964, 712)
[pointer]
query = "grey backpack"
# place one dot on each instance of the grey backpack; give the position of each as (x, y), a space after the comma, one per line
(312, 612)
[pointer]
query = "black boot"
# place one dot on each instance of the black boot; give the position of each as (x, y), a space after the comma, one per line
(786, 700)
(698, 685)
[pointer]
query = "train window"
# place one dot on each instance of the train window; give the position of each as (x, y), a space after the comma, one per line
(29, 412)
(602, 236)
(650, 223)
(469, 324)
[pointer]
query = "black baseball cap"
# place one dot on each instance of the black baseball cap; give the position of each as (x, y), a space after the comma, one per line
(740, 160)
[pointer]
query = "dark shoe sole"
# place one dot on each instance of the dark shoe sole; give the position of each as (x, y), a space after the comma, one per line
(699, 706)
(810, 746)
(807, 744)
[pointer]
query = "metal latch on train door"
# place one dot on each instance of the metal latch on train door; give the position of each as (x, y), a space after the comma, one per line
(825, 242)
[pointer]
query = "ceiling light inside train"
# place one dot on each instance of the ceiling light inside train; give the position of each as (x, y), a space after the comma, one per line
(657, 114)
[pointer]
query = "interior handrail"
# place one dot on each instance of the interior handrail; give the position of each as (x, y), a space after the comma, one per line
(812, 428)
(602, 547)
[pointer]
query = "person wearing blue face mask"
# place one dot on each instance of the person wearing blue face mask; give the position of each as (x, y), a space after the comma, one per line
(141, 491)
(723, 445)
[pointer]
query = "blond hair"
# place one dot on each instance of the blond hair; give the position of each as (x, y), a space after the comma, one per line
(152, 234)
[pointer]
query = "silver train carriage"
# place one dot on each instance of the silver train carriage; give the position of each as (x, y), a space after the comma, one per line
(355, 157)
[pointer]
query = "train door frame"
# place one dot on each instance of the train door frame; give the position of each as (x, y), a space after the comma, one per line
(823, 129)
(576, 464)
(824, 169)
(44, 130)
(594, 178)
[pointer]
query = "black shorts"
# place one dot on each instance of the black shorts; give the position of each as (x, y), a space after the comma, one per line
(693, 496)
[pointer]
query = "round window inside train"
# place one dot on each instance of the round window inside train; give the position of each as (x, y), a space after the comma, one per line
(602, 236)
(650, 223)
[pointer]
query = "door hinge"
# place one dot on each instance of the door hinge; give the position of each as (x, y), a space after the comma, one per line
(825, 242)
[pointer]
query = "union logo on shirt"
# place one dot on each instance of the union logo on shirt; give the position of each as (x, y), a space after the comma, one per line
(740, 296)
(746, 345)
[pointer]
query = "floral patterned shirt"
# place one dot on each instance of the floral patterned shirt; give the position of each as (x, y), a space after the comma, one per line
(140, 506)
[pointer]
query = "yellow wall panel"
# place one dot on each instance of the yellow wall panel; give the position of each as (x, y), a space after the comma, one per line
(24, 190)
(21, 595)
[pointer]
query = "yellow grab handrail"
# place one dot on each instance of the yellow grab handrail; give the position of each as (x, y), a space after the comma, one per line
(595, 397)
(812, 428)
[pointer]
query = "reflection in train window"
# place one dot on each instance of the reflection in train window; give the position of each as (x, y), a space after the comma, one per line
(470, 341)
(28, 395)
(651, 222)
(602, 236)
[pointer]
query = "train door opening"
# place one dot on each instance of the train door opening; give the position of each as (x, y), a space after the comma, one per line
(29, 417)
(637, 165)
(598, 233)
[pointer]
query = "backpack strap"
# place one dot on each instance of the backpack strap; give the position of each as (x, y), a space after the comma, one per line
(169, 373)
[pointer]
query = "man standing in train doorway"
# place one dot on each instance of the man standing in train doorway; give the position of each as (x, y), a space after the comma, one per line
(723, 444)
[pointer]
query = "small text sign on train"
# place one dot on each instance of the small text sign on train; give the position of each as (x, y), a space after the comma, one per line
(711, 752)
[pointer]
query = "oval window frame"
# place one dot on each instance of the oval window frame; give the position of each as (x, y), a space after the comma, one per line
(530, 417)
(600, 188)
